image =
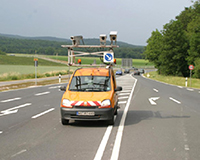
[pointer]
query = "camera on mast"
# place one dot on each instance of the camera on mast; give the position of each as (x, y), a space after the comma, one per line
(113, 37)
(76, 40)
(103, 39)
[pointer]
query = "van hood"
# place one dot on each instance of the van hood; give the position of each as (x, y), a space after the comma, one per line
(87, 96)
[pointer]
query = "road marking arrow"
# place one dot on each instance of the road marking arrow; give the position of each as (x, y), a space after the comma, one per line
(13, 110)
(152, 99)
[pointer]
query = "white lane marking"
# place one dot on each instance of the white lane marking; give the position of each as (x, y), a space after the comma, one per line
(123, 94)
(1, 132)
(104, 141)
(39, 94)
(20, 152)
(127, 90)
(54, 87)
(174, 100)
(118, 139)
(122, 102)
(152, 99)
(9, 100)
(189, 89)
(187, 147)
(155, 90)
(13, 110)
(122, 97)
(45, 112)
(179, 86)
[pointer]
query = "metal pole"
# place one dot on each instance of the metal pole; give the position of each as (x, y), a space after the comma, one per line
(35, 75)
(190, 78)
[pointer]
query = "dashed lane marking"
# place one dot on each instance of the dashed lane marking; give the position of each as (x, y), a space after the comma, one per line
(43, 93)
(155, 90)
(45, 112)
(174, 100)
(9, 100)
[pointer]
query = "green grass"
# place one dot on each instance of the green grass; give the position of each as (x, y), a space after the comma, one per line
(179, 81)
(17, 60)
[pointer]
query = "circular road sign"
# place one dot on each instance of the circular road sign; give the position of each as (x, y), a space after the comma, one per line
(191, 67)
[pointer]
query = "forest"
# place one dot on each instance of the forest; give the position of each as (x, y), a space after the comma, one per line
(177, 46)
(52, 46)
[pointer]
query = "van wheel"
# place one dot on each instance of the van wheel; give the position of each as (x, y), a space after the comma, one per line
(111, 121)
(64, 121)
(116, 111)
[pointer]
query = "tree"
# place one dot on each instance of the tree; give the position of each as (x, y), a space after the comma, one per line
(175, 46)
(154, 48)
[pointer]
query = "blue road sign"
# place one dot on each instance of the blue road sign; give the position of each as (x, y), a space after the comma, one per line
(108, 57)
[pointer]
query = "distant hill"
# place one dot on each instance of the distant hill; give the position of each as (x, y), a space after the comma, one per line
(92, 41)
(52, 45)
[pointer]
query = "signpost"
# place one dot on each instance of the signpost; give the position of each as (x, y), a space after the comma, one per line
(36, 64)
(191, 67)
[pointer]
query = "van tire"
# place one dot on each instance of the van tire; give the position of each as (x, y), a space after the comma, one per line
(111, 121)
(64, 121)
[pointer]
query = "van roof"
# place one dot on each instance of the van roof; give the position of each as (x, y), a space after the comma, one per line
(92, 71)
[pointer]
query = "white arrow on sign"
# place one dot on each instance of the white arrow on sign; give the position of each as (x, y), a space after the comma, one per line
(152, 99)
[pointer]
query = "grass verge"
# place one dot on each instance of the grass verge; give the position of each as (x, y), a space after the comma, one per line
(31, 84)
(179, 81)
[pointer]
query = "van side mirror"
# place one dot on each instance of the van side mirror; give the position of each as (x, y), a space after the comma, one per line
(118, 89)
(63, 88)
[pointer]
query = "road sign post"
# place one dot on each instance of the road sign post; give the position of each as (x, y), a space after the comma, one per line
(191, 67)
(36, 64)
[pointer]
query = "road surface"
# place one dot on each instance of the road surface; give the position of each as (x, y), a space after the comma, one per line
(156, 121)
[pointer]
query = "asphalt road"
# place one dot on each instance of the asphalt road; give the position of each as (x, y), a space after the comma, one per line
(156, 121)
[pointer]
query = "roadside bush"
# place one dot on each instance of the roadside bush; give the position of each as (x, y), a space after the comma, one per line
(197, 68)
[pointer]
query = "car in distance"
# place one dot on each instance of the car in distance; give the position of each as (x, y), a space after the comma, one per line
(118, 72)
(136, 72)
(141, 71)
(91, 95)
(127, 71)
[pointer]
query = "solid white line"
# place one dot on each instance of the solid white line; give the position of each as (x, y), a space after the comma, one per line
(116, 148)
(9, 100)
(39, 94)
(104, 141)
(175, 100)
(155, 90)
(122, 102)
(40, 114)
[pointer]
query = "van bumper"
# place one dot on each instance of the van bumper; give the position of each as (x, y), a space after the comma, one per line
(87, 114)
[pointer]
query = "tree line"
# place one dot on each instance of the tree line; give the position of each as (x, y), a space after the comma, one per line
(47, 47)
(177, 46)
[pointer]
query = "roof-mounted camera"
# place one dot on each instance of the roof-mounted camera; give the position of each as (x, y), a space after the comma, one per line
(113, 37)
(76, 40)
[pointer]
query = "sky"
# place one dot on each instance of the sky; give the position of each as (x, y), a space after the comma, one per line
(134, 20)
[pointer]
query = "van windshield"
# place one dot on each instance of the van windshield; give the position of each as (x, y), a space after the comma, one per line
(90, 84)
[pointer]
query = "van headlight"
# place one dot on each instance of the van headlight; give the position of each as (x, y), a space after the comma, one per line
(66, 103)
(105, 104)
